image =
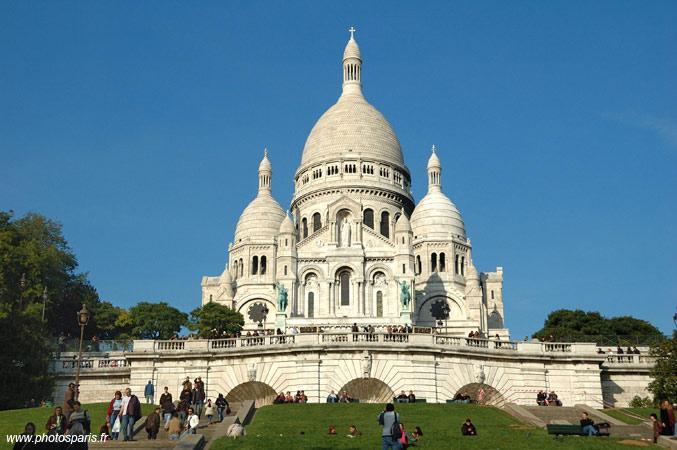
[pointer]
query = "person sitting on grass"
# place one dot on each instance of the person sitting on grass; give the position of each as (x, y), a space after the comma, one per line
(402, 398)
(332, 430)
(354, 432)
(587, 425)
(29, 430)
(56, 424)
(279, 399)
(414, 436)
(468, 429)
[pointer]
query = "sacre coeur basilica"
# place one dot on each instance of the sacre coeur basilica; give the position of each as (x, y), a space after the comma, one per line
(361, 289)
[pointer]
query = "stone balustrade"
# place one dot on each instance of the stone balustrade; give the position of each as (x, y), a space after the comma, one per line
(88, 364)
(329, 339)
(630, 359)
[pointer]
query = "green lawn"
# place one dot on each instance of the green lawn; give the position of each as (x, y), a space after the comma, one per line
(13, 421)
(281, 427)
(621, 415)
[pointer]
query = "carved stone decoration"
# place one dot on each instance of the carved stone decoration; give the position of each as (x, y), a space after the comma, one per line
(481, 376)
(380, 280)
(440, 310)
(258, 312)
(366, 364)
(251, 372)
(311, 281)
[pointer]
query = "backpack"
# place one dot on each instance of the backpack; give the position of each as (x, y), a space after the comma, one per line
(395, 430)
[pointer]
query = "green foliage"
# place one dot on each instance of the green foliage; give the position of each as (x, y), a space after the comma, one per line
(578, 325)
(34, 255)
(156, 320)
(212, 316)
(111, 322)
(639, 402)
(664, 373)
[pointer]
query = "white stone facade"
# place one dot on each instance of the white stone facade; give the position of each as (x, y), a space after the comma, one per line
(356, 236)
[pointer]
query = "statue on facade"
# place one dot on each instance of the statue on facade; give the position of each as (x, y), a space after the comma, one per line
(281, 297)
(405, 295)
(345, 233)
(366, 364)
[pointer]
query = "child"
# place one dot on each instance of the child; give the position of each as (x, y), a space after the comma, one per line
(332, 429)
(103, 433)
(354, 432)
(209, 411)
(657, 427)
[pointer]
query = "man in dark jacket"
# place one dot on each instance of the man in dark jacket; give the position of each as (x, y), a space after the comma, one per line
(167, 405)
(131, 412)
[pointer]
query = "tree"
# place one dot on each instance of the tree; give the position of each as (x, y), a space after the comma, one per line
(34, 255)
(111, 322)
(578, 325)
(213, 316)
(156, 320)
(664, 373)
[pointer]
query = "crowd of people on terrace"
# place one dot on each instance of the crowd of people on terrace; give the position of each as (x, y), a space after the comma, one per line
(619, 351)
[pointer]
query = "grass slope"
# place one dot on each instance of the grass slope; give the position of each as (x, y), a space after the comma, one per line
(280, 427)
(13, 421)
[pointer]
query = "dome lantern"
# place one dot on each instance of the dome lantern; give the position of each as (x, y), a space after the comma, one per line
(434, 172)
(352, 66)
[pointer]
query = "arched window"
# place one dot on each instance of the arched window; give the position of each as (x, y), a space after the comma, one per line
(463, 265)
(368, 218)
(418, 264)
(263, 265)
(344, 282)
(404, 268)
(385, 223)
(304, 225)
(456, 265)
(210, 298)
(379, 304)
(317, 222)
(255, 265)
(443, 263)
(241, 267)
(492, 294)
(285, 270)
(286, 242)
(311, 304)
(433, 262)
(235, 269)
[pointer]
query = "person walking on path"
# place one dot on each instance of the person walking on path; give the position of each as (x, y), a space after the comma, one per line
(389, 421)
(149, 392)
(221, 406)
(131, 412)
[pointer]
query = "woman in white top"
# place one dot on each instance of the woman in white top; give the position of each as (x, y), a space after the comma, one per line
(191, 424)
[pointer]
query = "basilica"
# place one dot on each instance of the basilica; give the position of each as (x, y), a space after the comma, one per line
(356, 248)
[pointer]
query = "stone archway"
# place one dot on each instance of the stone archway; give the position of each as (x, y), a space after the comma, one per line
(482, 394)
(369, 390)
(261, 393)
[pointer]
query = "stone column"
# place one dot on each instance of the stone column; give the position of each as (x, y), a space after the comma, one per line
(301, 301)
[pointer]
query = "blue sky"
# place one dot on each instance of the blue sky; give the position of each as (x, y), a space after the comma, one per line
(140, 125)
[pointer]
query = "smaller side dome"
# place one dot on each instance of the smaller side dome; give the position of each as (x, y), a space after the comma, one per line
(403, 225)
(287, 226)
(225, 276)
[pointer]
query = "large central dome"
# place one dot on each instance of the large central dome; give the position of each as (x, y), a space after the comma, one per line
(352, 128)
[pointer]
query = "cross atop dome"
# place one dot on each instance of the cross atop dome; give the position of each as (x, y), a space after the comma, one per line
(352, 31)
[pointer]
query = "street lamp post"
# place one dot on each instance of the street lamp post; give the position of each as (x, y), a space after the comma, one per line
(44, 302)
(83, 318)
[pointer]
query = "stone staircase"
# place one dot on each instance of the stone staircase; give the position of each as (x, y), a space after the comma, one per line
(543, 415)
(205, 435)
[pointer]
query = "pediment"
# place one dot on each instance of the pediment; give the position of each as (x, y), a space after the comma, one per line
(345, 202)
